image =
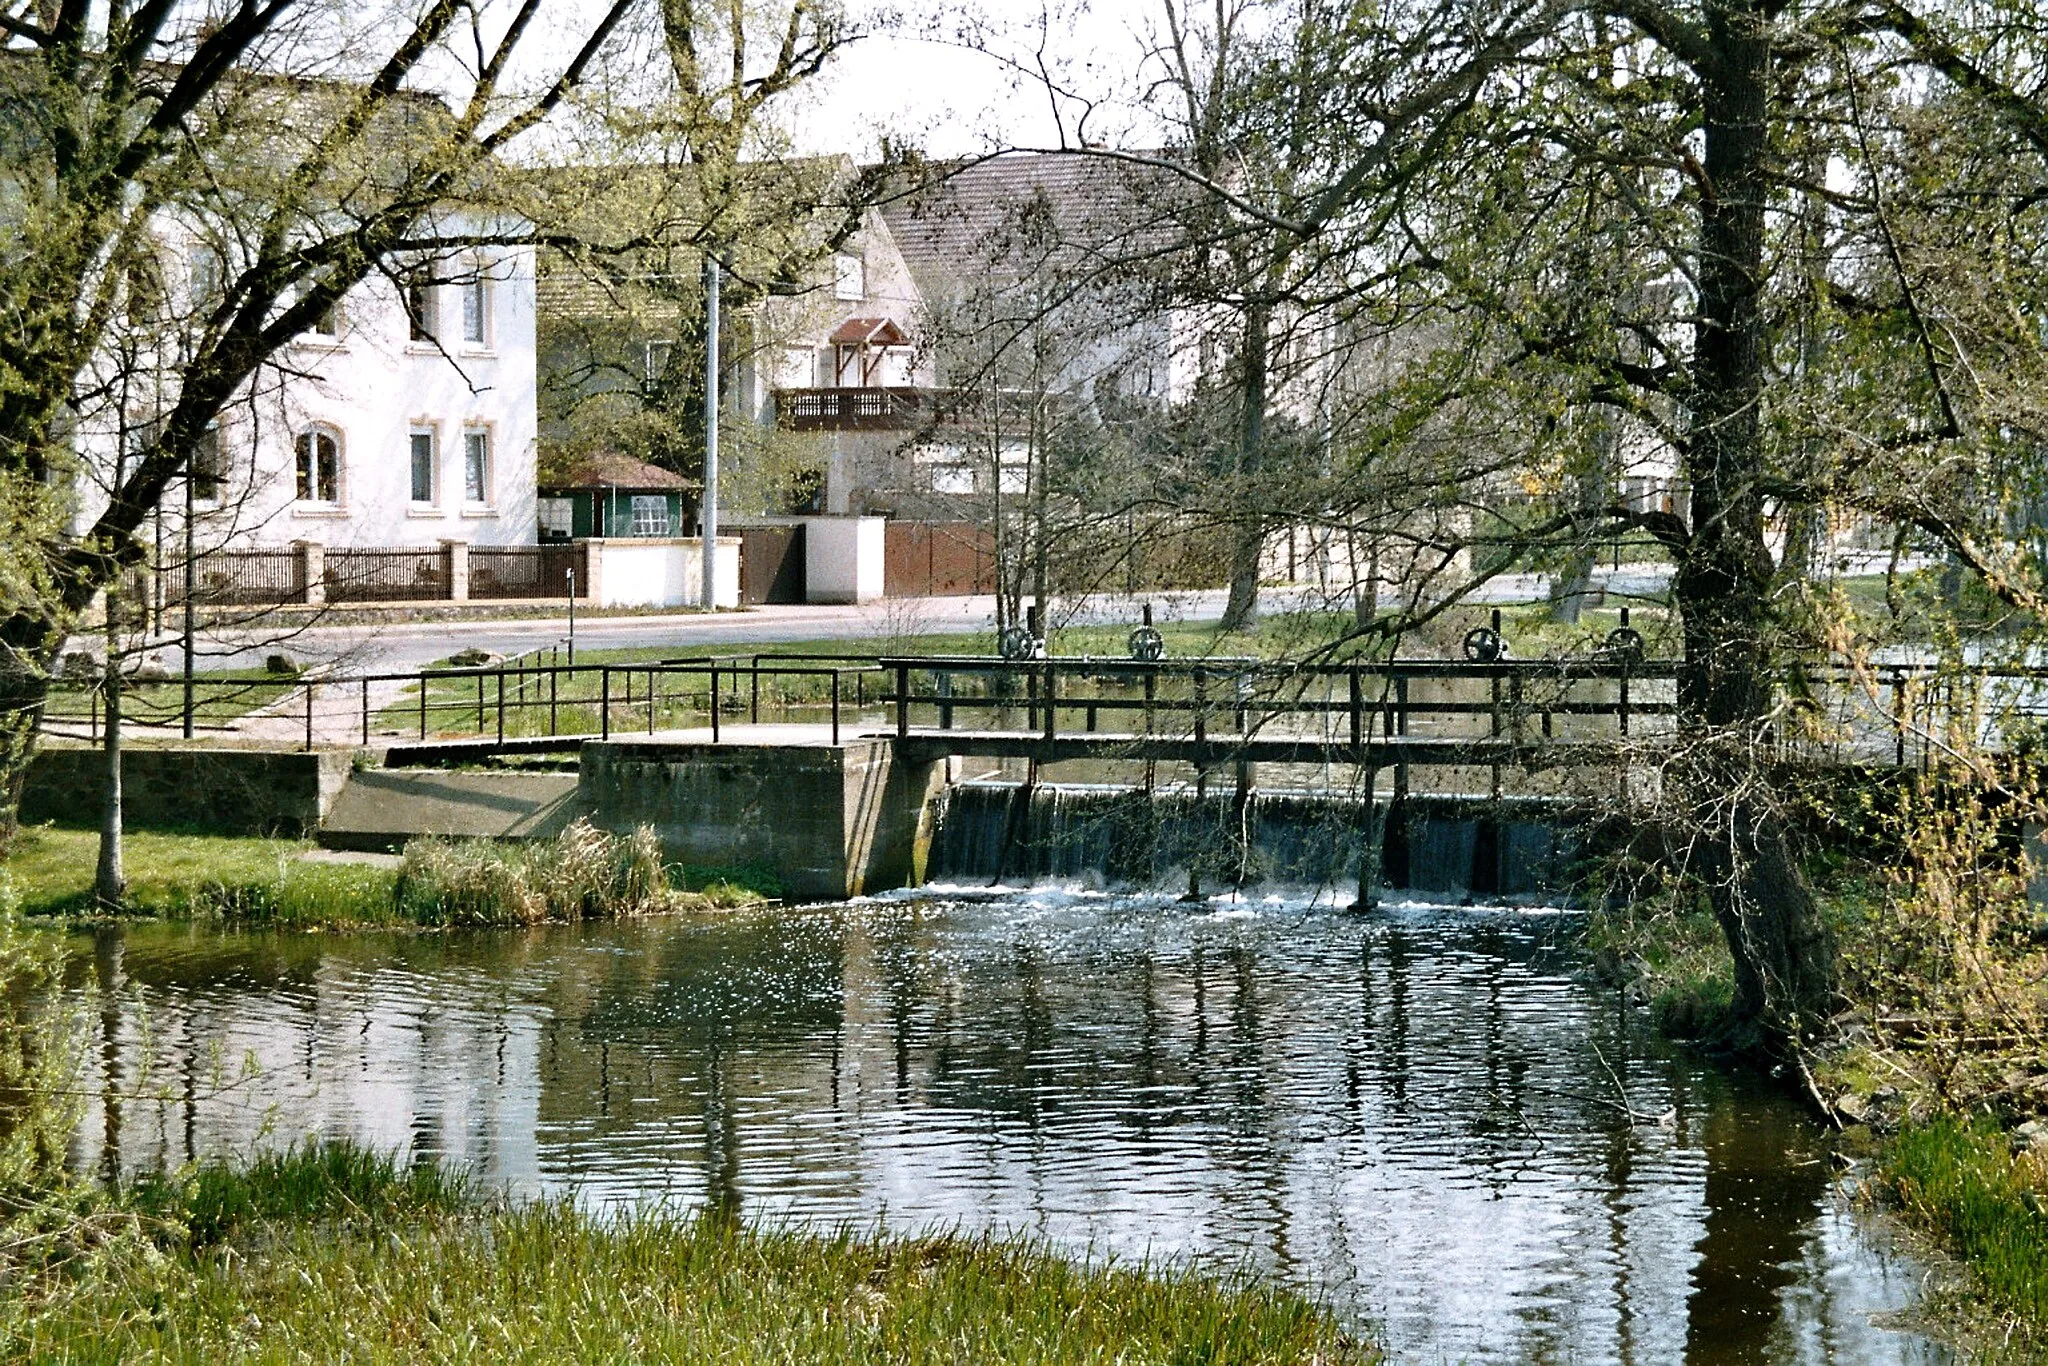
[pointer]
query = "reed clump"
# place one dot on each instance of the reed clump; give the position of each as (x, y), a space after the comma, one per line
(582, 874)
(328, 1253)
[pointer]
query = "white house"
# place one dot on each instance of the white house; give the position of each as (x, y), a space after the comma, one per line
(406, 418)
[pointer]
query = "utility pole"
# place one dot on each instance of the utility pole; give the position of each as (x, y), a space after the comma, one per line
(191, 578)
(707, 523)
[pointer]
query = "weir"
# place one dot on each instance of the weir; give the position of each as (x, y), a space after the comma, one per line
(1438, 845)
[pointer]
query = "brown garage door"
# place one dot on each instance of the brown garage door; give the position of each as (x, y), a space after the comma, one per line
(935, 559)
(772, 564)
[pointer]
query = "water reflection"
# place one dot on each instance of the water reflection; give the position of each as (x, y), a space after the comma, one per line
(1426, 1115)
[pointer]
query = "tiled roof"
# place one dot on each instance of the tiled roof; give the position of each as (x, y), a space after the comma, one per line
(612, 470)
(1023, 210)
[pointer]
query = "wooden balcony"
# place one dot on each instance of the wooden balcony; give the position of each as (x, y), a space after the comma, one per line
(853, 410)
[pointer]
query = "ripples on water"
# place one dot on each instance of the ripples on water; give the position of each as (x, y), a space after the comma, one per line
(1425, 1115)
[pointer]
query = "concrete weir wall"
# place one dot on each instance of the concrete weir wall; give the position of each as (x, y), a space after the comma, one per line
(829, 821)
(232, 791)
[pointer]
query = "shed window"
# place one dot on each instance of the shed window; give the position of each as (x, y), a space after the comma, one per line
(650, 515)
(557, 519)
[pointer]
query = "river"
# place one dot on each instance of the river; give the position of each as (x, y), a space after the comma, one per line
(1428, 1116)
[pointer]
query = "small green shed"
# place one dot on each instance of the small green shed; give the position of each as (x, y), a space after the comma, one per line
(609, 494)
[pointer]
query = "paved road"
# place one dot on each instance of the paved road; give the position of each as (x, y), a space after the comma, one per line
(411, 645)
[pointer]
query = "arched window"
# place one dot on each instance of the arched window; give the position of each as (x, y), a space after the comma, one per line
(319, 450)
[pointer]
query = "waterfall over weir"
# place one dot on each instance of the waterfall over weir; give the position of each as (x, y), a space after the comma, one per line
(1439, 846)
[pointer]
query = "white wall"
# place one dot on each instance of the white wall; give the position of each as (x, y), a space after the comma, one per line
(843, 558)
(371, 384)
(662, 572)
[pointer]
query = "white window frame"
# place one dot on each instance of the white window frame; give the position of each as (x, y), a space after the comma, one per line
(545, 513)
(313, 431)
(477, 298)
(422, 324)
(471, 434)
(849, 277)
(952, 479)
(657, 353)
(639, 504)
(432, 432)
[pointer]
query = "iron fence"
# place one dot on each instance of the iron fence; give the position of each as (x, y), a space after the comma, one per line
(526, 571)
(387, 575)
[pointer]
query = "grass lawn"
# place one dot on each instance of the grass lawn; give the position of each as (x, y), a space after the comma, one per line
(332, 1254)
(582, 874)
(217, 698)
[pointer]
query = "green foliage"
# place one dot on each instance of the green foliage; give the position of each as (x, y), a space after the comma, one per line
(1962, 1180)
(40, 1049)
(331, 1253)
(211, 1202)
(583, 873)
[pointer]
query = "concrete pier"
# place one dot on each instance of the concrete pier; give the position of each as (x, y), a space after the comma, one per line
(828, 820)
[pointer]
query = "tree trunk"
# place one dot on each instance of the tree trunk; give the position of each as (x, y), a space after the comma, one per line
(110, 882)
(1784, 956)
(28, 647)
(1241, 610)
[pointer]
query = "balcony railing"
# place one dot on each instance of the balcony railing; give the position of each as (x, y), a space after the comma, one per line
(853, 410)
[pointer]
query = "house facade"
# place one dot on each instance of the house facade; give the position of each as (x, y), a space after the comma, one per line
(404, 418)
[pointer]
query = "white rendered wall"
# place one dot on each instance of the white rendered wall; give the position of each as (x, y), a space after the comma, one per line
(372, 386)
(843, 558)
(662, 572)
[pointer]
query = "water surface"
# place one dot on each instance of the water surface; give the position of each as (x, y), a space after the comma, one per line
(1428, 1116)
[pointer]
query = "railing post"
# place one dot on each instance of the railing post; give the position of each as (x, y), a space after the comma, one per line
(902, 701)
(604, 725)
(754, 694)
(714, 702)
(835, 708)
(309, 716)
(1357, 716)
(1899, 716)
(479, 704)
(1201, 708)
(1623, 713)
(501, 706)
(554, 675)
(366, 713)
(1398, 723)
(423, 704)
(945, 687)
(1051, 698)
(650, 700)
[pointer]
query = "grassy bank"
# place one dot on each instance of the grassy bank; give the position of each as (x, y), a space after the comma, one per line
(583, 874)
(335, 1255)
(1969, 1185)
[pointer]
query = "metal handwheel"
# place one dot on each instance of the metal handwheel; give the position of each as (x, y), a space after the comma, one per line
(1017, 642)
(1147, 645)
(1625, 641)
(1483, 645)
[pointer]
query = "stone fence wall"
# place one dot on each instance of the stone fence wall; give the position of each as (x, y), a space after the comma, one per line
(228, 791)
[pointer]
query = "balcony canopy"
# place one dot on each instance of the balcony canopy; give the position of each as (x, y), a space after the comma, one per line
(869, 332)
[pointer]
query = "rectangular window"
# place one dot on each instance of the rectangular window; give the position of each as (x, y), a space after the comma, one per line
(425, 466)
(650, 515)
(206, 469)
(849, 277)
(659, 356)
(202, 265)
(476, 307)
(952, 479)
(422, 307)
(476, 465)
(319, 466)
(557, 519)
